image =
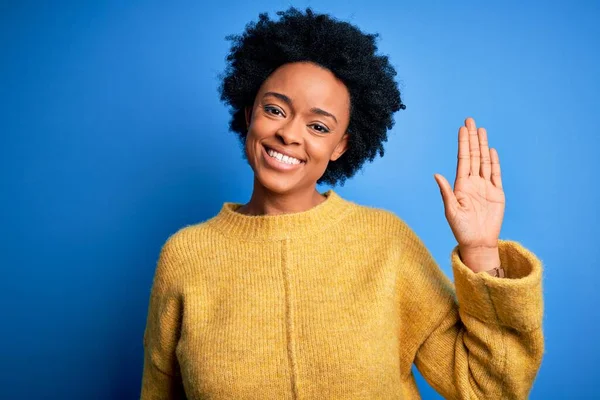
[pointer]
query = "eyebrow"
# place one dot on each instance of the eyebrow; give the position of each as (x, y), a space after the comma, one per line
(288, 101)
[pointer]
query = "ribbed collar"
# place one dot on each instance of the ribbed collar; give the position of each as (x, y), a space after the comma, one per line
(283, 226)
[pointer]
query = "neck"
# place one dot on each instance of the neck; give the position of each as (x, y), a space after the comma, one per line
(294, 225)
(266, 202)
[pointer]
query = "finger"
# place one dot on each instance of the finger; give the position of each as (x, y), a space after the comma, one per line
(486, 166)
(448, 196)
(473, 146)
(496, 176)
(464, 159)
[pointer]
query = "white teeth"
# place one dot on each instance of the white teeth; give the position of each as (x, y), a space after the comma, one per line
(283, 158)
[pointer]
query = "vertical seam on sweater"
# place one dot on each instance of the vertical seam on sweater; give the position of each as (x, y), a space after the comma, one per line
(289, 326)
(502, 339)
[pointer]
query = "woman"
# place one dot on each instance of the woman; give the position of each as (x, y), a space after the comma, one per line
(303, 295)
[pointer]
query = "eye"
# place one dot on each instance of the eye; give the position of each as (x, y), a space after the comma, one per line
(320, 128)
(273, 110)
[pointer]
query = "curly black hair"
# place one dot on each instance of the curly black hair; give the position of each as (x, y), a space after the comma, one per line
(335, 45)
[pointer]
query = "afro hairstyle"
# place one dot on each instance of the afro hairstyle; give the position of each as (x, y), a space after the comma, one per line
(335, 45)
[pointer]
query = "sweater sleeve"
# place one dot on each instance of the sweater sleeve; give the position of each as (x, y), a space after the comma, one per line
(480, 338)
(161, 377)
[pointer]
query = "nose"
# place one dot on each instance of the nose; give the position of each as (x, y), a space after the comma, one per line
(290, 133)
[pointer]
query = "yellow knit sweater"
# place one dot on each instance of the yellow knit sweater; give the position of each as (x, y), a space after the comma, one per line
(336, 302)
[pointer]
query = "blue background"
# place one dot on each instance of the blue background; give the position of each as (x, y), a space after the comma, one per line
(113, 137)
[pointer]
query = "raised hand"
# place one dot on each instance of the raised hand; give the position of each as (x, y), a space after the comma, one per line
(475, 208)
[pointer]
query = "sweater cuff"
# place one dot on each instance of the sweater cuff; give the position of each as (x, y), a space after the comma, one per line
(514, 301)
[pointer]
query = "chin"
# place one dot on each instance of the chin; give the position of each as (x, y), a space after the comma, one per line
(277, 184)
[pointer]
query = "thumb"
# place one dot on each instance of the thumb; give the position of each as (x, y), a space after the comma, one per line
(445, 190)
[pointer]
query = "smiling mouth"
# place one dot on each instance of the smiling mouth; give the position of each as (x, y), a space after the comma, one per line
(282, 157)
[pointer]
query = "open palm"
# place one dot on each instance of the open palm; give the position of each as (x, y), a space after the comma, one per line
(475, 208)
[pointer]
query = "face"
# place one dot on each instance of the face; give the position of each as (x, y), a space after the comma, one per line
(296, 126)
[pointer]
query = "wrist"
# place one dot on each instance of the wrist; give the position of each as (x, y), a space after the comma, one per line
(480, 259)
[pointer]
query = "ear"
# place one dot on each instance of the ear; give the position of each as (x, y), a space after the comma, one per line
(248, 113)
(340, 148)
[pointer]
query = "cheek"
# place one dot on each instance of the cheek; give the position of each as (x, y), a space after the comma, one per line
(253, 146)
(260, 129)
(319, 150)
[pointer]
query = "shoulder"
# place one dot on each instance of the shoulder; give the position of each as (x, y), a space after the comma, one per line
(381, 223)
(181, 252)
(379, 219)
(383, 231)
(188, 239)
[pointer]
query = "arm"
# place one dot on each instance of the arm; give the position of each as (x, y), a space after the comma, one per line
(489, 344)
(485, 340)
(161, 378)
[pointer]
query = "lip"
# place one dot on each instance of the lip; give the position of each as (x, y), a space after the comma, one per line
(278, 165)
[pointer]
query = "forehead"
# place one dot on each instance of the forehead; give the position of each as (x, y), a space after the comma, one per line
(308, 85)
